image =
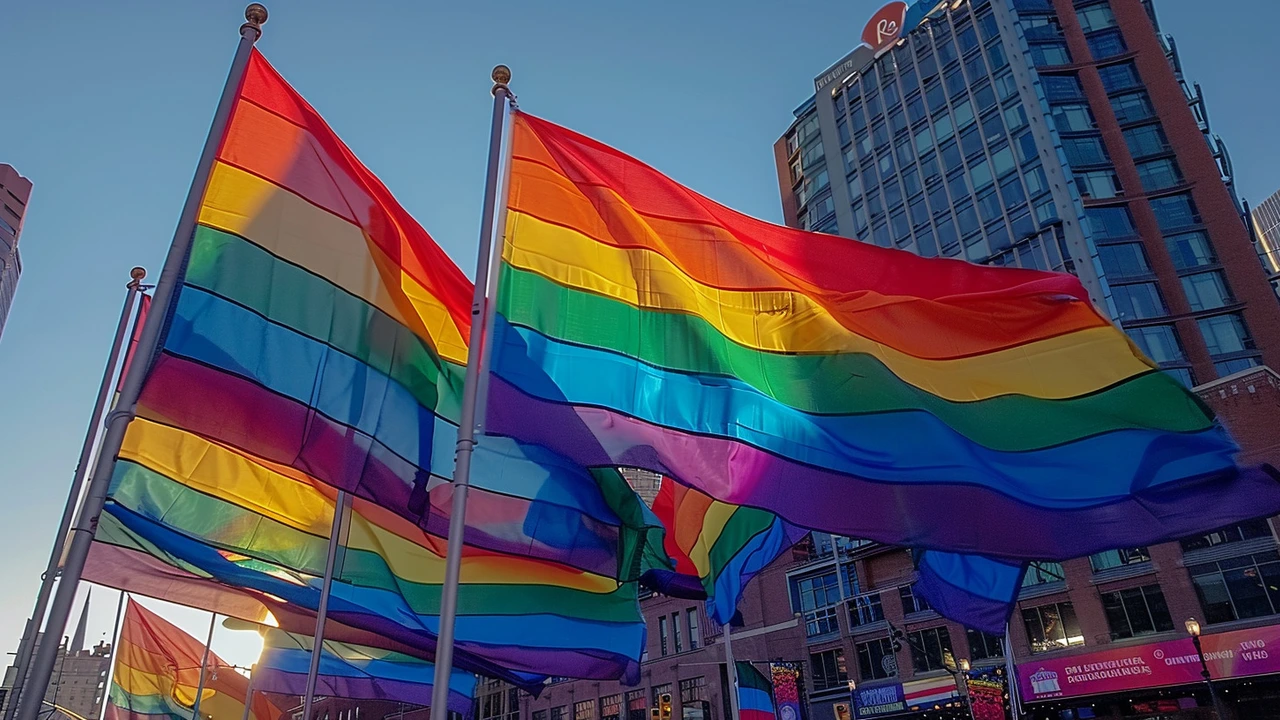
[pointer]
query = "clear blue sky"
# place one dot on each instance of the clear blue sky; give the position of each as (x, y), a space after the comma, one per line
(107, 104)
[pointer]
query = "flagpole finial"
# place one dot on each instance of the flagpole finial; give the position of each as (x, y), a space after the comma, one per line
(256, 14)
(138, 273)
(501, 75)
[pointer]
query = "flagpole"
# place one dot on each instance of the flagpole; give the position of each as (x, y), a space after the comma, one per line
(23, 660)
(111, 670)
(1011, 680)
(204, 662)
(322, 612)
(100, 479)
(733, 674)
(248, 694)
(501, 75)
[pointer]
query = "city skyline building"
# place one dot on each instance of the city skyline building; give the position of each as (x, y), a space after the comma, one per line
(1266, 234)
(1048, 134)
(15, 192)
(79, 683)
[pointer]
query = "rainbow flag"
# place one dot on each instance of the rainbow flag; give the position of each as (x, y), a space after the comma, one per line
(755, 693)
(714, 548)
(157, 672)
(318, 342)
(841, 386)
(353, 671)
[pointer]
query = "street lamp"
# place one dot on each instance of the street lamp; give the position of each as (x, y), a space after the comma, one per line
(1193, 629)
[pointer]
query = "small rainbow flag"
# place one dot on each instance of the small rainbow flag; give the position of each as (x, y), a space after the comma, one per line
(755, 693)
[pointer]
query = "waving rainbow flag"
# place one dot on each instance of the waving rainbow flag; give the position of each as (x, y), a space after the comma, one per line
(844, 387)
(157, 672)
(317, 342)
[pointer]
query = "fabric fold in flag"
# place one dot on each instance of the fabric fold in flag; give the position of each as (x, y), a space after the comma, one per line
(354, 671)
(158, 670)
(755, 693)
(978, 591)
(836, 385)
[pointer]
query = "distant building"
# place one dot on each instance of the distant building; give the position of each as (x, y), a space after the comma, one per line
(15, 191)
(1266, 229)
(79, 684)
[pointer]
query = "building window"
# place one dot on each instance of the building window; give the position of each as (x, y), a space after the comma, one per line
(1073, 118)
(675, 628)
(693, 699)
(1085, 151)
(1106, 44)
(984, 646)
(1132, 107)
(912, 603)
(1146, 140)
(1111, 223)
(1206, 290)
(928, 648)
(663, 635)
(637, 708)
(1096, 17)
(1249, 530)
(611, 707)
(1058, 88)
(1136, 611)
(658, 692)
(1159, 174)
(819, 597)
(876, 660)
(1041, 27)
(1125, 260)
(1098, 184)
(1122, 76)
(695, 634)
(1042, 572)
(1175, 211)
(539, 715)
(1235, 365)
(1190, 249)
(865, 609)
(1048, 54)
(829, 670)
(1225, 334)
(1138, 301)
(558, 713)
(1052, 627)
(1160, 343)
(1238, 588)
(585, 710)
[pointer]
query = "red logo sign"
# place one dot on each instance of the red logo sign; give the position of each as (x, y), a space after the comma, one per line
(885, 27)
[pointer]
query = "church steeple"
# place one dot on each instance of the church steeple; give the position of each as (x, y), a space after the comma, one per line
(77, 640)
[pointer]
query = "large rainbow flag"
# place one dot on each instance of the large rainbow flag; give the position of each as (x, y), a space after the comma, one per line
(353, 671)
(157, 672)
(844, 387)
(316, 343)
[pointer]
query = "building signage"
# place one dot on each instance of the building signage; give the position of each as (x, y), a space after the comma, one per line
(986, 693)
(1240, 653)
(872, 702)
(886, 27)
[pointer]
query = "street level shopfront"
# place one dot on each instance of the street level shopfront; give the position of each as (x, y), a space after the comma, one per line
(1160, 680)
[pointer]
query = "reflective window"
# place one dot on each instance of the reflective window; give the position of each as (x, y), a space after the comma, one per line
(1206, 290)
(1119, 558)
(1158, 342)
(1062, 87)
(1190, 249)
(1002, 161)
(1085, 150)
(829, 670)
(1238, 588)
(980, 173)
(1225, 334)
(1106, 44)
(1098, 184)
(1122, 76)
(929, 647)
(1110, 222)
(1138, 301)
(1073, 118)
(1175, 211)
(1125, 260)
(876, 660)
(1146, 140)
(1132, 107)
(1136, 611)
(984, 646)
(1096, 17)
(1159, 174)
(1048, 54)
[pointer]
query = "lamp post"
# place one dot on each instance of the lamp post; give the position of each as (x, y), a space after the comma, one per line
(1193, 629)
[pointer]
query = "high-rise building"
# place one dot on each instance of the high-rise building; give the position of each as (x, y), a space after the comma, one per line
(1266, 237)
(79, 683)
(1041, 133)
(15, 191)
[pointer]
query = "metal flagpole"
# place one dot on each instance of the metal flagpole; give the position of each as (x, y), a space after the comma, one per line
(248, 694)
(470, 412)
(117, 420)
(1011, 680)
(25, 648)
(115, 638)
(322, 613)
(733, 673)
(204, 663)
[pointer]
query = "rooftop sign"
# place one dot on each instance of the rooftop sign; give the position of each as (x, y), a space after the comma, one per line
(886, 27)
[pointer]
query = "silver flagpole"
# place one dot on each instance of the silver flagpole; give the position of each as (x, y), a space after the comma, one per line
(471, 414)
(733, 673)
(25, 648)
(204, 663)
(322, 613)
(1010, 668)
(100, 479)
(115, 639)
(248, 695)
